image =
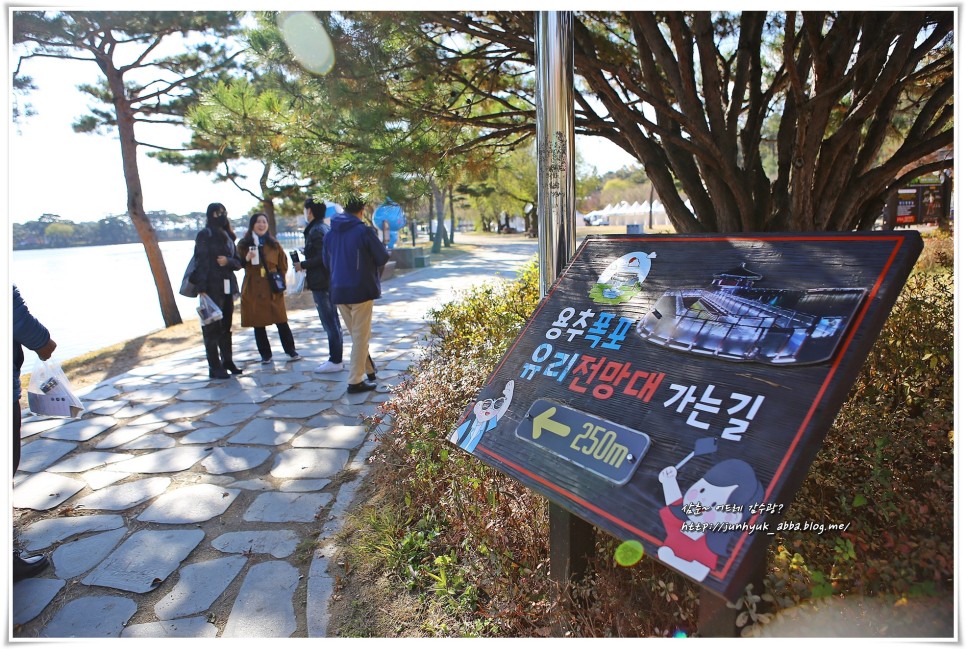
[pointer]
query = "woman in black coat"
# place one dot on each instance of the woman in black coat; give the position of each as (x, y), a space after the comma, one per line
(216, 260)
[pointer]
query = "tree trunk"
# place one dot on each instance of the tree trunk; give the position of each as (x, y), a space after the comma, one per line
(135, 198)
(268, 205)
(452, 217)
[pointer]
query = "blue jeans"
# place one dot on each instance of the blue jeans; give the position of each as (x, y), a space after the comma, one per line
(330, 322)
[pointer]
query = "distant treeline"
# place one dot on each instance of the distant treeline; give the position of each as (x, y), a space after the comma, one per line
(52, 231)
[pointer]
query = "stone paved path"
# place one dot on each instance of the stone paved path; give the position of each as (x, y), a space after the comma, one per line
(180, 506)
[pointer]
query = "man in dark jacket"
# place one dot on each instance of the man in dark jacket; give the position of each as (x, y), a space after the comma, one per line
(317, 279)
(29, 332)
(354, 256)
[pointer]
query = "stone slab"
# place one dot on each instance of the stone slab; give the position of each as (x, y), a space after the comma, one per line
(101, 616)
(37, 426)
(77, 557)
(150, 442)
(176, 412)
(233, 414)
(152, 394)
(31, 596)
(199, 585)
(264, 606)
(191, 627)
(331, 437)
(256, 484)
(105, 407)
(278, 543)
(192, 504)
(313, 391)
(234, 458)
(44, 533)
(207, 435)
(126, 495)
(144, 558)
(97, 392)
(98, 479)
(265, 432)
(209, 394)
(274, 507)
(304, 485)
(82, 430)
(136, 410)
(43, 491)
(126, 434)
(166, 461)
(303, 463)
(257, 394)
(86, 461)
(40, 454)
(295, 409)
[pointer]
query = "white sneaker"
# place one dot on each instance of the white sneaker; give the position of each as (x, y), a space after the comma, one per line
(329, 366)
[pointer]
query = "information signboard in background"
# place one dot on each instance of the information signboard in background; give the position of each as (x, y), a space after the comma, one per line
(674, 389)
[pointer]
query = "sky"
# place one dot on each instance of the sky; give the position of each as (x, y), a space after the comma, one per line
(77, 176)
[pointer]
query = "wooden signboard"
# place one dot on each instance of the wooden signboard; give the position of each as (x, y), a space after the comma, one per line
(675, 389)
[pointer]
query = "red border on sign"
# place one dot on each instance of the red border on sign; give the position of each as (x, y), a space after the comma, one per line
(723, 571)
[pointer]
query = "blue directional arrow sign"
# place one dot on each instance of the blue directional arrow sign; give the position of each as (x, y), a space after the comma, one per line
(602, 447)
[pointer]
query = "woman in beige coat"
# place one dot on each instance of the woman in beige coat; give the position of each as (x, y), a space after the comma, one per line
(260, 306)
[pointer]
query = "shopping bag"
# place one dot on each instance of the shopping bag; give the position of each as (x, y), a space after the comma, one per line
(189, 288)
(294, 282)
(208, 311)
(50, 394)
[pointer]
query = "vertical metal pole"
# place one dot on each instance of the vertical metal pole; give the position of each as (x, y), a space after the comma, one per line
(556, 202)
(571, 538)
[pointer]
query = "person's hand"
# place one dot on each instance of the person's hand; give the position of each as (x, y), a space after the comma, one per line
(298, 267)
(222, 260)
(48, 349)
(249, 256)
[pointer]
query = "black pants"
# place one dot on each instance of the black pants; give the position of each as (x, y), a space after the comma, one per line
(217, 335)
(16, 436)
(284, 334)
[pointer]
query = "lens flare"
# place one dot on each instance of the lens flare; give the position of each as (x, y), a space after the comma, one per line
(308, 41)
(629, 553)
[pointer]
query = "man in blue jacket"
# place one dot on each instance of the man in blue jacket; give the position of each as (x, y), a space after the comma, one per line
(27, 331)
(354, 257)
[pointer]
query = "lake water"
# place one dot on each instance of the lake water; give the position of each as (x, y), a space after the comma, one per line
(96, 296)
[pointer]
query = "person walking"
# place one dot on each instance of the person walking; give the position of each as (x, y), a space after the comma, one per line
(216, 259)
(260, 305)
(27, 332)
(354, 256)
(317, 280)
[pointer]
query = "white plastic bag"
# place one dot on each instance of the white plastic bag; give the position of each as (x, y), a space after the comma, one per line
(294, 282)
(208, 311)
(50, 393)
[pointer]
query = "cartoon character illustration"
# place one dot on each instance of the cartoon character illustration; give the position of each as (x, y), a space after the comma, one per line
(697, 522)
(622, 279)
(486, 415)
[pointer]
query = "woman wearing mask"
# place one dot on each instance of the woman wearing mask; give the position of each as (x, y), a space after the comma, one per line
(216, 260)
(260, 306)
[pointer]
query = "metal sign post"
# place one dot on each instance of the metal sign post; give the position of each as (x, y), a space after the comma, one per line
(571, 538)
